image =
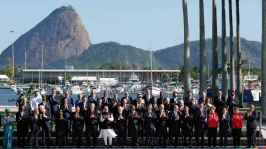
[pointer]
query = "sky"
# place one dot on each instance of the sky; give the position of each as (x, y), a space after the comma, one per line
(129, 22)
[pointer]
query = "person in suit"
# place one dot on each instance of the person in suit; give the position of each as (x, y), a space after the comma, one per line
(125, 105)
(187, 128)
(34, 128)
(45, 120)
(181, 106)
(84, 105)
(212, 124)
(200, 124)
(175, 99)
(251, 126)
(77, 127)
(155, 106)
(45, 103)
(236, 119)
(161, 99)
(174, 125)
(140, 108)
(208, 104)
(60, 129)
(117, 100)
(92, 125)
(53, 99)
(162, 119)
(150, 120)
(22, 125)
(26, 104)
(232, 101)
(99, 106)
(128, 98)
(148, 98)
(92, 98)
(67, 112)
(168, 106)
(134, 122)
(121, 127)
(224, 120)
(202, 97)
(69, 99)
(79, 100)
(113, 107)
(105, 99)
(219, 102)
(188, 99)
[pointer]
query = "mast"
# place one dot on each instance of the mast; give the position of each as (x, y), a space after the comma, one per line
(25, 60)
(151, 65)
(42, 65)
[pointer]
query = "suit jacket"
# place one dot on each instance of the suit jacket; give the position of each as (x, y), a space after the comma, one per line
(129, 100)
(53, 102)
(200, 121)
(78, 123)
(149, 121)
(106, 103)
(168, 107)
(160, 101)
(173, 122)
(24, 121)
(27, 107)
(174, 100)
(34, 123)
(162, 121)
(121, 124)
(93, 100)
(232, 105)
(78, 101)
(187, 122)
(67, 112)
(134, 122)
(113, 109)
(219, 104)
(251, 120)
(140, 108)
(82, 109)
(224, 123)
(99, 108)
(46, 106)
(46, 122)
(146, 99)
(92, 121)
(187, 101)
(70, 101)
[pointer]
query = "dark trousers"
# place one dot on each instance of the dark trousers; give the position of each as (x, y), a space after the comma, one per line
(134, 137)
(92, 132)
(199, 134)
(68, 127)
(251, 137)
(46, 136)
(162, 135)
(77, 137)
(223, 137)
(187, 133)
(34, 134)
(149, 136)
(212, 132)
(22, 132)
(54, 116)
(174, 133)
(236, 133)
(121, 136)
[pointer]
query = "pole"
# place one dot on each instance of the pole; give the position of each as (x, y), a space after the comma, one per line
(25, 60)
(13, 54)
(65, 71)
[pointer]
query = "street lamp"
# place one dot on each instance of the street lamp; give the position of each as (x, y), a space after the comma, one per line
(13, 54)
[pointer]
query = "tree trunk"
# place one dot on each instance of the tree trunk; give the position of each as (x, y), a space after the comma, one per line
(232, 52)
(263, 60)
(186, 50)
(224, 53)
(239, 63)
(214, 51)
(203, 84)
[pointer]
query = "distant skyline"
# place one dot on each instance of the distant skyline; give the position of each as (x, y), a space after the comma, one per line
(138, 23)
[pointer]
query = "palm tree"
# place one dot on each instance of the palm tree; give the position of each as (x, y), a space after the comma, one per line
(224, 53)
(202, 49)
(214, 51)
(232, 53)
(239, 65)
(186, 49)
(263, 59)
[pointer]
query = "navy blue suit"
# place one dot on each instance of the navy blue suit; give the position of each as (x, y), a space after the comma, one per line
(106, 103)
(147, 101)
(92, 99)
(200, 125)
(54, 105)
(27, 108)
(46, 127)
(174, 127)
(121, 128)
(224, 127)
(78, 101)
(34, 127)
(67, 111)
(149, 126)
(70, 101)
(251, 128)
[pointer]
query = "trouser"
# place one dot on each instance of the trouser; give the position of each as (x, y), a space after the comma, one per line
(251, 137)
(223, 137)
(21, 137)
(46, 133)
(134, 138)
(77, 137)
(92, 132)
(54, 116)
(68, 127)
(187, 133)
(174, 133)
(236, 137)
(162, 135)
(149, 136)
(212, 132)
(34, 133)
(121, 136)
(199, 135)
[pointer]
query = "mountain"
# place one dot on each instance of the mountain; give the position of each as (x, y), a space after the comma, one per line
(98, 54)
(61, 34)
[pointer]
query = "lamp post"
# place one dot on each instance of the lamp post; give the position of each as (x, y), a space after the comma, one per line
(13, 54)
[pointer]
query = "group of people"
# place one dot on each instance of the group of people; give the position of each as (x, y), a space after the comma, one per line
(145, 116)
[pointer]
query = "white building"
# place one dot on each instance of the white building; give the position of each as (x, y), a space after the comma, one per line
(4, 78)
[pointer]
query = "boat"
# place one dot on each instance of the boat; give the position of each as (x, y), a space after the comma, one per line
(58, 90)
(13, 88)
(75, 90)
(133, 82)
(40, 90)
(84, 84)
(154, 90)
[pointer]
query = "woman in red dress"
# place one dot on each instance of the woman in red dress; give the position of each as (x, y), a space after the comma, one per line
(212, 123)
(236, 119)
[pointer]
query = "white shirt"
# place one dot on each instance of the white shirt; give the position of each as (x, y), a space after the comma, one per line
(34, 101)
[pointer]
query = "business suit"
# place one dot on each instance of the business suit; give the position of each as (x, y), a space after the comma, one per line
(27, 108)
(224, 127)
(22, 127)
(53, 99)
(60, 130)
(129, 100)
(77, 127)
(141, 108)
(134, 122)
(99, 107)
(46, 127)
(219, 103)
(231, 105)
(148, 99)
(174, 100)
(93, 99)
(113, 109)
(67, 112)
(168, 107)
(174, 127)
(83, 107)
(251, 128)
(187, 128)
(92, 126)
(188, 100)
(149, 126)
(46, 106)
(69, 101)
(200, 125)
(121, 128)
(106, 101)
(160, 101)
(162, 127)
(34, 121)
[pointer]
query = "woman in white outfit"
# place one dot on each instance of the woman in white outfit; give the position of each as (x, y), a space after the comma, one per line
(35, 100)
(106, 127)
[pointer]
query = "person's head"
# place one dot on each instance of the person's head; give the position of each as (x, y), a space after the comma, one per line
(161, 107)
(219, 93)
(208, 100)
(213, 109)
(181, 103)
(194, 101)
(67, 94)
(251, 107)
(93, 91)
(201, 105)
(149, 107)
(139, 95)
(176, 108)
(92, 106)
(37, 94)
(60, 112)
(167, 101)
(8, 112)
(175, 94)
(236, 110)
(224, 110)
(99, 100)
(77, 108)
(115, 95)
(105, 109)
(161, 94)
(133, 108)
(105, 94)
(114, 101)
(44, 99)
(189, 94)
(124, 101)
(42, 109)
(120, 109)
(148, 92)
(203, 95)
(84, 99)
(36, 111)
(139, 100)
(65, 100)
(126, 94)
(53, 91)
(80, 96)
(233, 92)
(186, 109)
(155, 101)
(22, 108)
(25, 100)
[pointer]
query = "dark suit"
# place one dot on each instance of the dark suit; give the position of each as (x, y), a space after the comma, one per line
(113, 109)
(70, 101)
(160, 101)
(187, 101)
(174, 100)
(22, 119)
(168, 107)
(121, 128)
(129, 100)
(99, 107)
(46, 127)
(200, 125)
(149, 126)
(174, 127)
(251, 128)
(106, 102)
(83, 108)
(187, 128)
(141, 108)
(34, 128)
(67, 111)
(27, 108)
(148, 100)
(232, 105)
(46, 106)
(133, 127)
(219, 104)
(53, 100)
(93, 99)
(92, 126)
(224, 128)
(77, 127)
(162, 127)
(60, 131)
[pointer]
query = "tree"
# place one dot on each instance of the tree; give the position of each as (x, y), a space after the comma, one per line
(263, 59)
(186, 49)
(9, 68)
(239, 69)
(232, 52)
(224, 53)
(203, 86)
(214, 51)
